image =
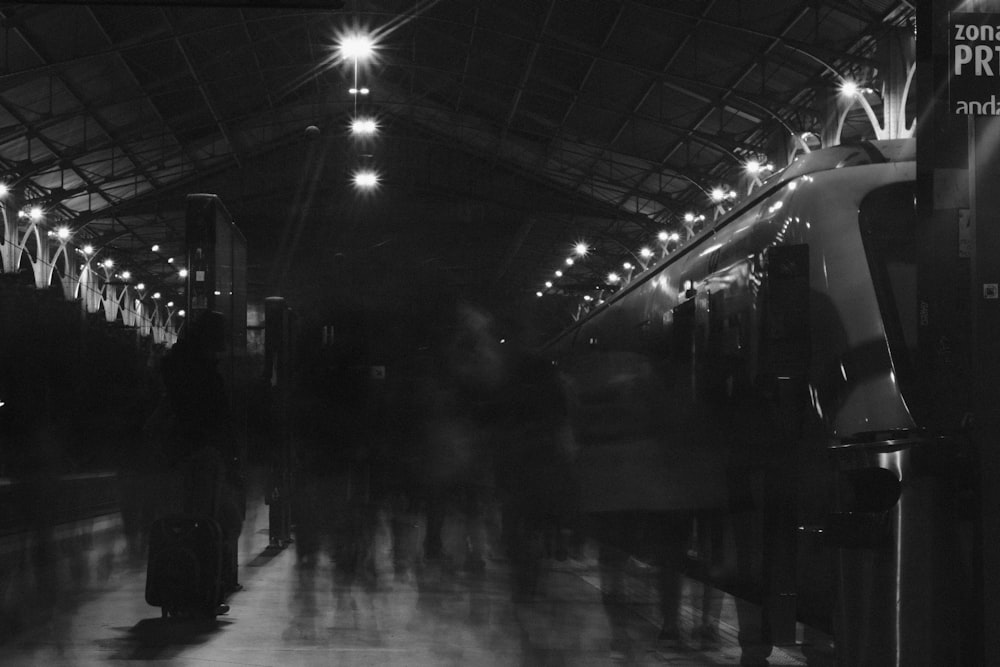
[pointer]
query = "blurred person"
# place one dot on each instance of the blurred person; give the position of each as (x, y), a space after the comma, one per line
(456, 471)
(533, 452)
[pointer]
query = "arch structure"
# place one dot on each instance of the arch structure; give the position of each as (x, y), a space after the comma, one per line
(26, 244)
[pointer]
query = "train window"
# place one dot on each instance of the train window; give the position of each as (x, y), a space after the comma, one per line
(888, 227)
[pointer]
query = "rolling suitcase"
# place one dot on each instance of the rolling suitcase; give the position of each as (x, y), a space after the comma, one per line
(184, 570)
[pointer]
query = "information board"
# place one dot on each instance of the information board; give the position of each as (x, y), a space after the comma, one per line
(974, 63)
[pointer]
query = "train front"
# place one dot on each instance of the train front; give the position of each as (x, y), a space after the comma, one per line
(903, 521)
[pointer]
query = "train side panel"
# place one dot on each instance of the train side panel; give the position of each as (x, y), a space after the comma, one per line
(673, 385)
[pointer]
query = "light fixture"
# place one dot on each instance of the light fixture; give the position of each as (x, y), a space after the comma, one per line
(848, 88)
(358, 91)
(363, 126)
(155, 248)
(63, 233)
(4, 190)
(581, 249)
(356, 47)
(365, 179)
(569, 261)
(645, 253)
(183, 273)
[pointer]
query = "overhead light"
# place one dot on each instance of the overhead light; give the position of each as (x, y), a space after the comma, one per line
(848, 88)
(365, 179)
(356, 47)
(358, 91)
(581, 249)
(363, 126)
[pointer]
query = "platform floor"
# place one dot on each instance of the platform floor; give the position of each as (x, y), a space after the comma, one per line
(87, 608)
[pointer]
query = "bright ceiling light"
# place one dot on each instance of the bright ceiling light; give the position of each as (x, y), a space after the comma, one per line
(365, 179)
(581, 249)
(36, 213)
(848, 88)
(363, 126)
(356, 47)
(63, 233)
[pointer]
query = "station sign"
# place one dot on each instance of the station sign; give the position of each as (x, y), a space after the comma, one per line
(974, 63)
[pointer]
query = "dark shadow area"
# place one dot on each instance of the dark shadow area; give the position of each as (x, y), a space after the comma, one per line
(265, 557)
(165, 638)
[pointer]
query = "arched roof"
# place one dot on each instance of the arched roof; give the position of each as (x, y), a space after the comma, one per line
(508, 130)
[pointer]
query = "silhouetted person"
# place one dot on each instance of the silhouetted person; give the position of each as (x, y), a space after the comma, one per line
(204, 447)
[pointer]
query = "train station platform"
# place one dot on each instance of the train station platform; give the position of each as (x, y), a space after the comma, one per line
(85, 606)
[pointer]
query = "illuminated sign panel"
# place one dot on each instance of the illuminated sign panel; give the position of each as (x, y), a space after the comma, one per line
(974, 61)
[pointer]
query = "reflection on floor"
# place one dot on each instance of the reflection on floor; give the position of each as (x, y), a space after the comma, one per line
(295, 612)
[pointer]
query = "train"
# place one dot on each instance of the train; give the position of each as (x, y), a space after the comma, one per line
(763, 377)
